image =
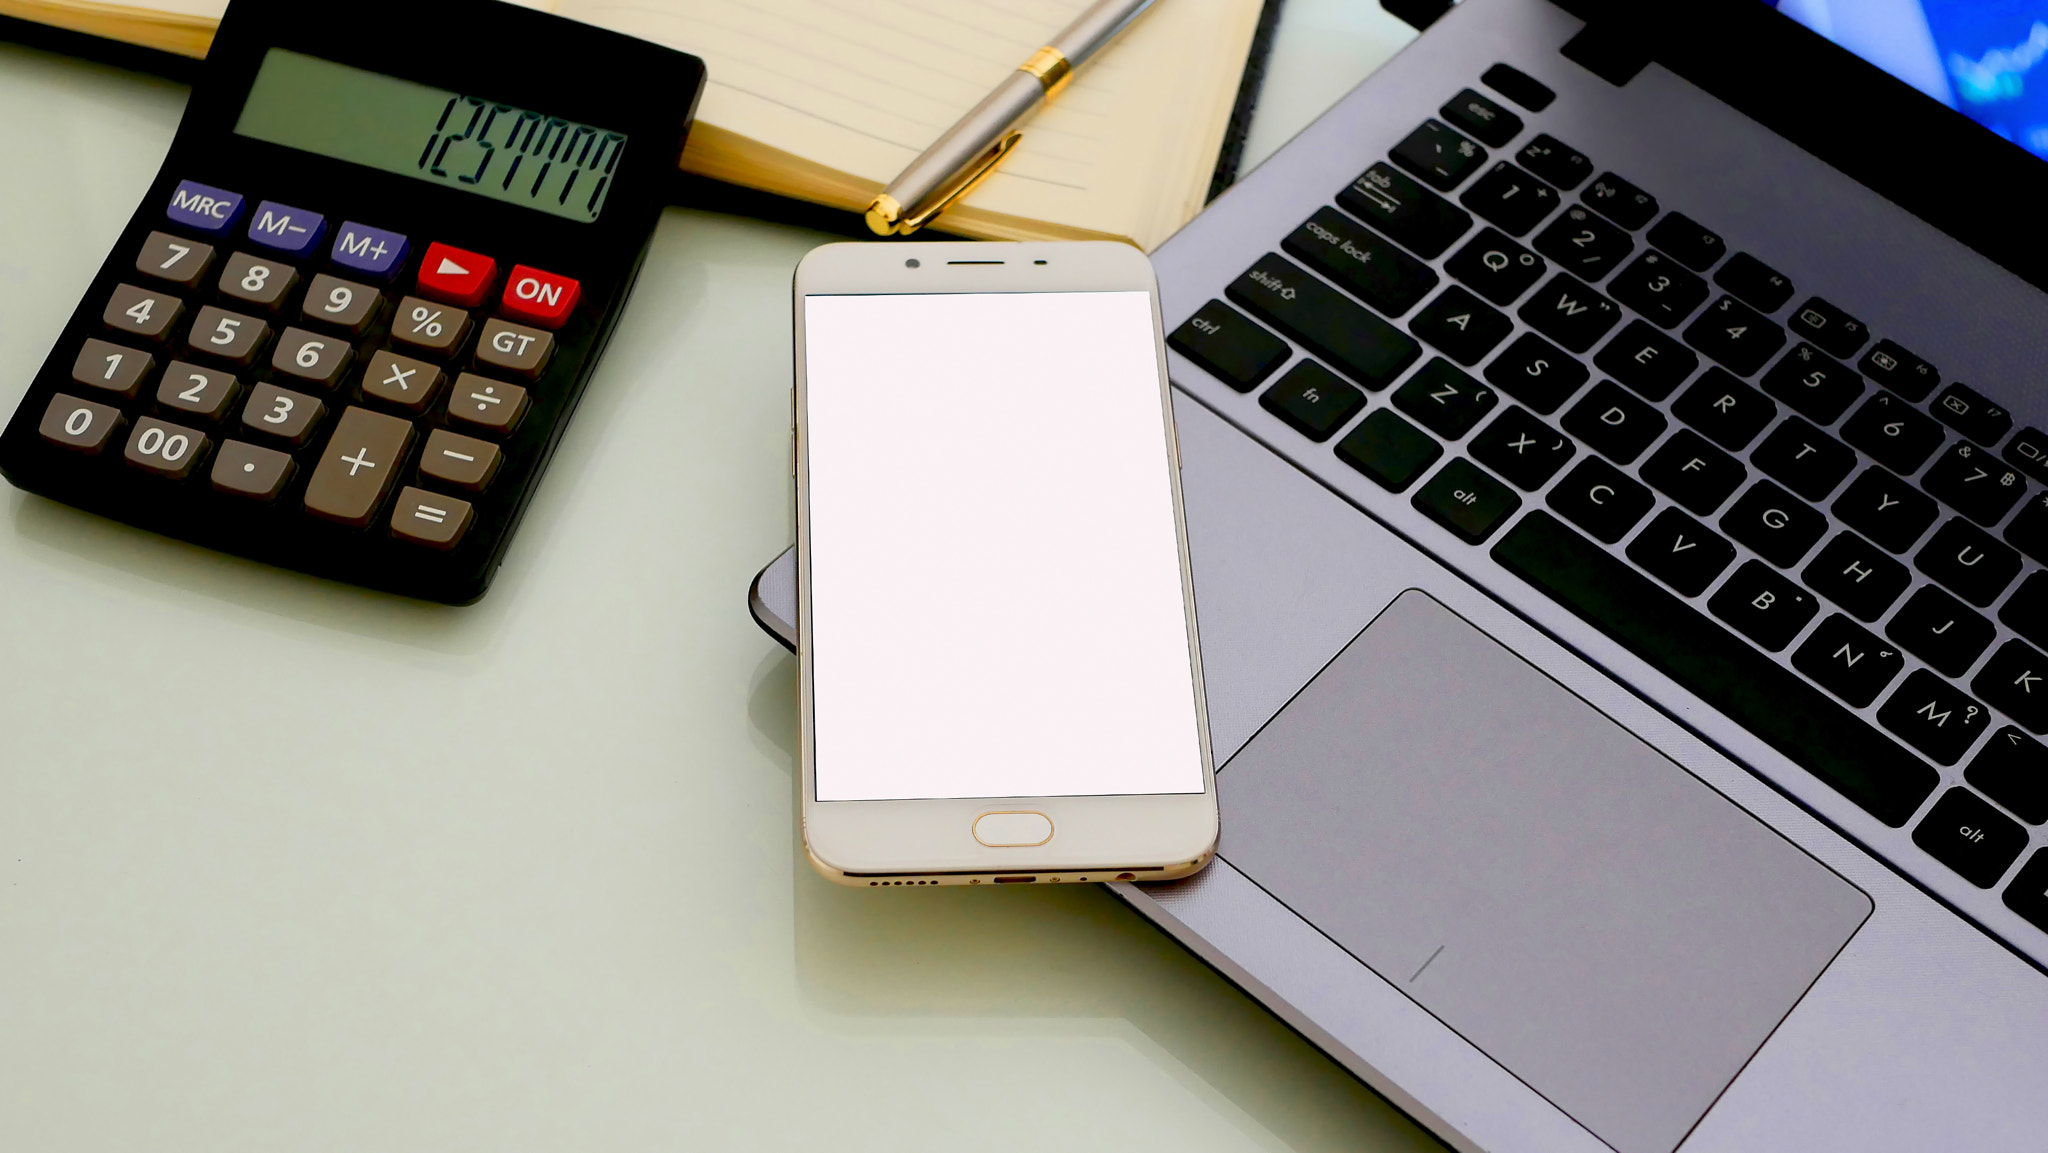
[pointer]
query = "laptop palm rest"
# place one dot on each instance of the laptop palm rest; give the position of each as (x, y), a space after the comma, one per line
(1610, 930)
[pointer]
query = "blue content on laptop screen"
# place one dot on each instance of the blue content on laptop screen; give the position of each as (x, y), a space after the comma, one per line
(1985, 58)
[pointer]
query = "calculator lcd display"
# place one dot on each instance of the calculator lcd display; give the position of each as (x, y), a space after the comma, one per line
(465, 142)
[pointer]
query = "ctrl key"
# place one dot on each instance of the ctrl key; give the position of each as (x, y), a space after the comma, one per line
(1233, 349)
(425, 518)
(79, 425)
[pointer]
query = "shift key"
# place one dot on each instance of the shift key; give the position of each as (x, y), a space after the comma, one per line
(1352, 340)
(358, 465)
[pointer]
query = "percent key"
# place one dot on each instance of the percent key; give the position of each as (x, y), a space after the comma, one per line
(431, 328)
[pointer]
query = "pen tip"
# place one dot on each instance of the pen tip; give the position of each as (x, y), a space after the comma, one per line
(884, 215)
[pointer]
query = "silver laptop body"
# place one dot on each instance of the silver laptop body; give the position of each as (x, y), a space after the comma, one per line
(1545, 812)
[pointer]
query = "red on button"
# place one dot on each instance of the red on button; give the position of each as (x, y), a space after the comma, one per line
(538, 297)
(453, 276)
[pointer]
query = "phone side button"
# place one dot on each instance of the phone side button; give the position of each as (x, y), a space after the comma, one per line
(1012, 830)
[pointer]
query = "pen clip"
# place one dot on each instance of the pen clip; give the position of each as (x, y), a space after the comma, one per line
(961, 184)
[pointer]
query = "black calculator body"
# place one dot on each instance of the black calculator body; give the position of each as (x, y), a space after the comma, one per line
(345, 328)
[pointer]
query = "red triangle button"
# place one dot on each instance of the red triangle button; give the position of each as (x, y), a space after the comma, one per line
(456, 276)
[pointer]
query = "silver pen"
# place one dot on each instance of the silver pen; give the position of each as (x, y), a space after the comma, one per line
(972, 148)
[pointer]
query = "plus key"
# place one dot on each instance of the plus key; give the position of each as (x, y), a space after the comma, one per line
(358, 466)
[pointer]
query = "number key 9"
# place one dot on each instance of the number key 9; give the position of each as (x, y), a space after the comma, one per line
(342, 303)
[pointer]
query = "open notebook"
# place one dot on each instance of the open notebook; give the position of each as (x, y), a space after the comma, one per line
(826, 100)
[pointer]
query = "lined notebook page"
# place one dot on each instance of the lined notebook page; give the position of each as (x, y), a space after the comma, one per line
(862, 86)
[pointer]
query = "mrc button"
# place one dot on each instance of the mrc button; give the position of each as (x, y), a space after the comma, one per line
(203, 208)
(538, 297)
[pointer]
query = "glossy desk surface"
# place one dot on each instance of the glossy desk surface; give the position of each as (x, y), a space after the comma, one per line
(289, 866)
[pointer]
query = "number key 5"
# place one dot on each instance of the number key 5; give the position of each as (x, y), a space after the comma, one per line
(227, 335)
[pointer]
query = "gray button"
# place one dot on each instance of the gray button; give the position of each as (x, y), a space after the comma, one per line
(228, 335)
(140, 312)
(514, 350)
(313, 357)
(118, 370)
(175, 259)
(282, 413)
(332, 300)
(401, 380)
(257, 281)
(246, 470)
(435, 329)
(203, 392)
(78, 424)
(165, 449)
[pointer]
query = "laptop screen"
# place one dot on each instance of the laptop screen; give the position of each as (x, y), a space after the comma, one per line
(1988, 59)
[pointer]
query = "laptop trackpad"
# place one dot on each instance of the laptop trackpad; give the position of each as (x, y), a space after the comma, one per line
(1589, 914)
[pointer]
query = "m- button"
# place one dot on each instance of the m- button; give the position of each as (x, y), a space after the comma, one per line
(538, 297)
(357, 467)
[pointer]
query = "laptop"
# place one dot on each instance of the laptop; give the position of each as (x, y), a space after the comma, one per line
(1617, 486)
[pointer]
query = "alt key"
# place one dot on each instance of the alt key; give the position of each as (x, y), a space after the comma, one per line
(1466, 501)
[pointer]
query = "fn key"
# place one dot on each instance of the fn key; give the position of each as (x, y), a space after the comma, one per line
(1233, 349)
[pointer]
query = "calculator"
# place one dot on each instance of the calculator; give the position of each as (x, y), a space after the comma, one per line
(346, 326)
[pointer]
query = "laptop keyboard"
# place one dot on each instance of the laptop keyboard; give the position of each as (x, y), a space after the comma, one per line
(1791, 519)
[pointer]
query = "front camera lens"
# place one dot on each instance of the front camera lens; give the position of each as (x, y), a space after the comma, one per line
(911, 263)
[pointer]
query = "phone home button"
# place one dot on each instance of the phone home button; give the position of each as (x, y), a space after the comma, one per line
(1012, 830)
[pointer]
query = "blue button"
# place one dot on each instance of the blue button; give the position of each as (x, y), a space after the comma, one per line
(282, 228)
(204, 209)
(371, 251)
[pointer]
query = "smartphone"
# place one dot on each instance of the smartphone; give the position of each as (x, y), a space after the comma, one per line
(1000, 678)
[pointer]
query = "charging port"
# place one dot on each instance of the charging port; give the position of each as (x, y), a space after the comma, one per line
(1015, 880)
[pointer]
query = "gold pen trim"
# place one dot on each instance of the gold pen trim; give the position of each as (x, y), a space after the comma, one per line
(960, 185)
(1052, 69)
(883, 215)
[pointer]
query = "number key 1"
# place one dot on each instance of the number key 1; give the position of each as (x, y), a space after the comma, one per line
(343, 303)
(118, 370)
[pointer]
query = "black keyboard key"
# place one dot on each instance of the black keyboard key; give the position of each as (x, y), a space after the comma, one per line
(1584, 244)
(1829, 327)
(1968, 562)
(1231, 348)
(1646, 360)
(2028, 452)
(1804, 459)
(1389, 450)
(1312, 400)
(1694, 473)
(1537, 373)
(1444, 400)
(2026, 610)
(1481, 117)
(2012, 769)
(1620, 201)
(1894, 433)
(1405, 212)
(1601, 499)
(1614, 423)
(1848, 660)
(1853, 573)
(1935, 627)
(1466, 501)
(2015, 682)
(1438, 156)
(1568, 312)
(1900, 371)
(1465, 327)
(1813, 384)
(1964, 409)
(1510, 198)
(2028, 893)
(1354, 341)
(1971, 482)
(1518, 86)
(1736, 335)
(1773, 522)
(1654, 285)
(1977, 841)
(1727, 411)
(1934, 716)
(1754, 283)
(1687, 242)
(1360, 260)
(1753, 690)
(1763, 606)
(2028, 531)
(1681, 552)
(1495, 267)
(1521, 448)
(1555, 161)
(1885, 509)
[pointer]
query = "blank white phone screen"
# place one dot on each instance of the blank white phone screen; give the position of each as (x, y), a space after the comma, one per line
(994, 575)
